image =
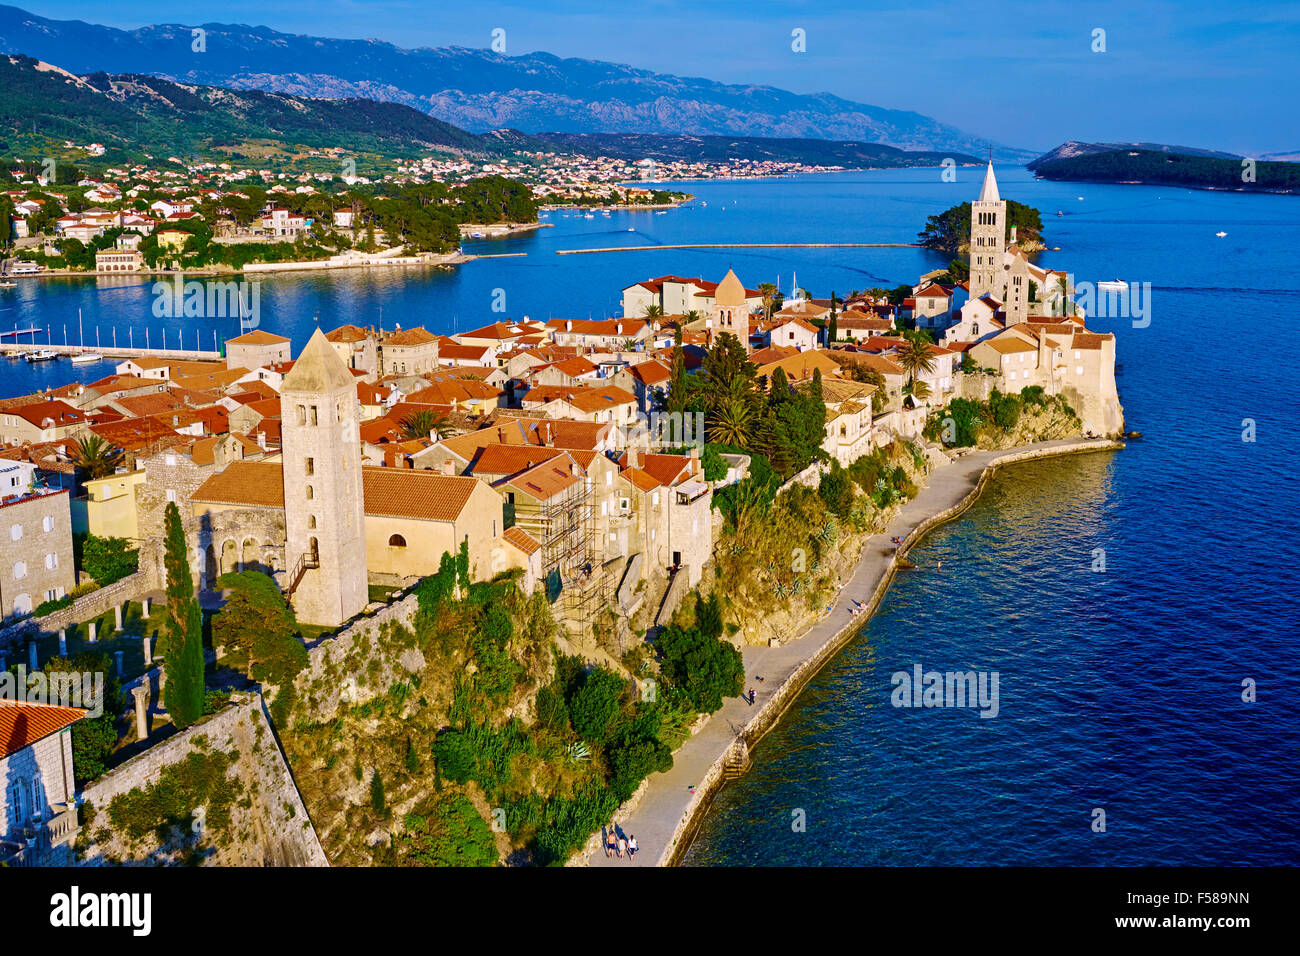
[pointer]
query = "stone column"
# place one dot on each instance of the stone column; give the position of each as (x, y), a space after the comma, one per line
(162, 683)
(117, 618)
(144, 607)
(63, 642)
(35, 662)
(117, 657)
(148, 652)
(91, 636)
(141, 695)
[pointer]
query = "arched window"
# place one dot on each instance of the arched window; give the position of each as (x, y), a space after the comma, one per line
(311, 521)
(396, 541)
(310, 493)
(313, 548)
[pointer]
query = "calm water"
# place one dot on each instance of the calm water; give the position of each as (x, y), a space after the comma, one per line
(1120, 689)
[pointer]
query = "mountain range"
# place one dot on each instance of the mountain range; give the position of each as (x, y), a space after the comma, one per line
(476, 90)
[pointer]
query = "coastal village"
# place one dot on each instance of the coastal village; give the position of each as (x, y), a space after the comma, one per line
(140, 217)
(593, 475)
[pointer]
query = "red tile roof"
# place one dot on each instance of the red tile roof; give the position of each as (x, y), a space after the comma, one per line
(23, 724)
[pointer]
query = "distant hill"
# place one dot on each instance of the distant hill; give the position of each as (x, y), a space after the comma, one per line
(475, 89)
(814, 152)
(1165, 166)
(133, 114)
(1074, 148)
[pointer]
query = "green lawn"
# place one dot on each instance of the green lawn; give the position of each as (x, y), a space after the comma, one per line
(134, 626)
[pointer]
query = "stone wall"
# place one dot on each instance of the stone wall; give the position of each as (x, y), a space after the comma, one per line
(349, 668)
(274, 830)
(14, 638)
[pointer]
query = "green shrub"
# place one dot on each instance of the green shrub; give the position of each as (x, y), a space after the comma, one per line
(595, 706)
(704, 668)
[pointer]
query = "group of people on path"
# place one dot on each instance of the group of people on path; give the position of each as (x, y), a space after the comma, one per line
(618, 844)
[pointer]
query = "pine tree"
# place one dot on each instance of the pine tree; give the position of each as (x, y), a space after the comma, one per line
(184, 663)
(833, 327)
(377, 794)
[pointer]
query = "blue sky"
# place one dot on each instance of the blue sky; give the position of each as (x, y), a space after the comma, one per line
(1215, 74)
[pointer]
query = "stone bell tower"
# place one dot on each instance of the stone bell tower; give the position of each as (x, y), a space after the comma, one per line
(730, 308)
(988, 224)
(324, 508)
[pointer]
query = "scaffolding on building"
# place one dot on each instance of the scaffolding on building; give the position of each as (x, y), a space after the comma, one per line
(565, 527)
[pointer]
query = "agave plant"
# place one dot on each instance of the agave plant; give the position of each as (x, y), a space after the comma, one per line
(578, 752)
(781, 590)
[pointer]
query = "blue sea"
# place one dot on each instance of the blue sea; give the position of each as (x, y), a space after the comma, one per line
(1120, 689)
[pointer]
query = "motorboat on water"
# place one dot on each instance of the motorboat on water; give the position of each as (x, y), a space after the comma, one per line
(81, 358)
(1220, 234)
(1113, 285)
(42, 355)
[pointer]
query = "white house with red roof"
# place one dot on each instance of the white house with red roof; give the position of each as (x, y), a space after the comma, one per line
(38, 799)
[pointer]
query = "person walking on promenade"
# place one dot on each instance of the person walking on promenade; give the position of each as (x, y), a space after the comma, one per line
(622, 845)
(609, 841)
(631, 846)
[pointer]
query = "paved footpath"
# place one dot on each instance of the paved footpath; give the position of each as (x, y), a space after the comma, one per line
(668, 797)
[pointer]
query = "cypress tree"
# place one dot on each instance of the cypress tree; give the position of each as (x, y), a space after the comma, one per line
(183, 696)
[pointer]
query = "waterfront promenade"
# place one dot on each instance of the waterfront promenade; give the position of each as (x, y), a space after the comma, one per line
(668, 810)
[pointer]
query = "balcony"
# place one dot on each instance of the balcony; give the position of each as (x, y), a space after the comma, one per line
(29, 845)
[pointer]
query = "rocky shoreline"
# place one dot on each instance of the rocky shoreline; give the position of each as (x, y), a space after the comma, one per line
(666, 811)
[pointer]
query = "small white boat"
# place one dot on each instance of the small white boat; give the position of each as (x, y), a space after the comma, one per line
(42, 355)
(1113, 285)
(81, 358)
(8, 284)
(1220, 234)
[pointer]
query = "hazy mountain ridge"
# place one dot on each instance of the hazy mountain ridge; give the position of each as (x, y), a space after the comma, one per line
(851, 154)
(475, 89)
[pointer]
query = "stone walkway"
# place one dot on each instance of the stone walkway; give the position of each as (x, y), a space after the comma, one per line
(668, 799)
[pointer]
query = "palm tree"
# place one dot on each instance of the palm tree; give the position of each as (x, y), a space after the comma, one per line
(918, 389)
(424, 423)
(654, 311)
(733, 416)
(95, 457)
(916, 355)
(690, 315)
(770, 292)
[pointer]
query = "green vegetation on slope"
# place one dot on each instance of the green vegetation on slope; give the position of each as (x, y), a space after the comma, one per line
(1173, 169)
(950, 230)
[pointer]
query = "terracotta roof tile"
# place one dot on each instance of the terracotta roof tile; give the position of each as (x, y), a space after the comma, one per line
(23, 724)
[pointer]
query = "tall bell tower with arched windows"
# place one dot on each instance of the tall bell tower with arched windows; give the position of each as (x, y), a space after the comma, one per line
(324, 507)
(988, 225)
